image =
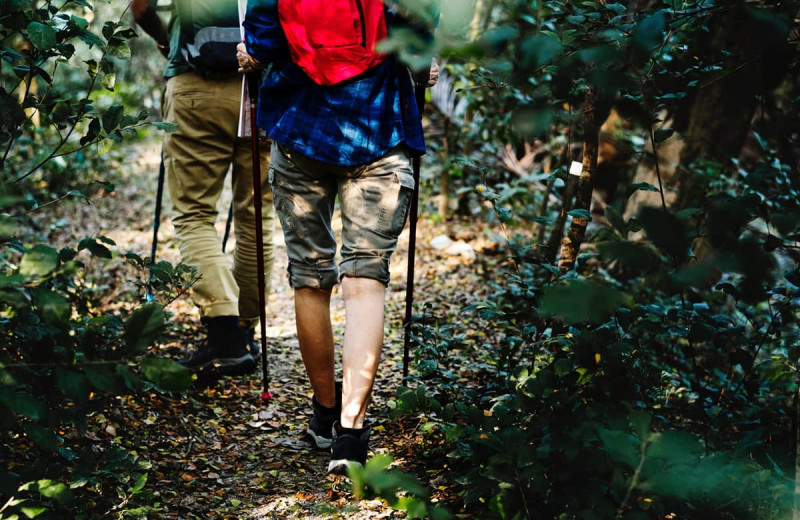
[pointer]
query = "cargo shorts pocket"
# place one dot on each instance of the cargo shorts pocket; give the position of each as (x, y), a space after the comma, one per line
(395, 212)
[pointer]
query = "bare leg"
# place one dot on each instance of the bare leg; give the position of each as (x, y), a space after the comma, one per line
(362, 344)
(315, 334)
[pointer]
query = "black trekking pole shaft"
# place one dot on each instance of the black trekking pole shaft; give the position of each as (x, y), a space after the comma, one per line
(419, 94)
(156, 222)
(252, 88)
(227, 227)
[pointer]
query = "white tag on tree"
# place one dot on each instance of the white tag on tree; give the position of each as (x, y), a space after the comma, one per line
(575, 168)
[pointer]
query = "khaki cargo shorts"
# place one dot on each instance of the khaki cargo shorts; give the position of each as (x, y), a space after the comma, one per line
(374, 201)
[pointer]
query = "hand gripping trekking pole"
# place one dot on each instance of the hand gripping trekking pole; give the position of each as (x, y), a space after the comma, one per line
(253, 81)
(419, 95)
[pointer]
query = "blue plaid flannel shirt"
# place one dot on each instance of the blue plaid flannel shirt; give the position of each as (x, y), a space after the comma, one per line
(349, 124)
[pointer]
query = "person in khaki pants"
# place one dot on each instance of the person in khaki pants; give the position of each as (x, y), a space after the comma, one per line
(197, 157)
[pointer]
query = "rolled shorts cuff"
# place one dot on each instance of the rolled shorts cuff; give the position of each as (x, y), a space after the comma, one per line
(322, 274)
(374, 267)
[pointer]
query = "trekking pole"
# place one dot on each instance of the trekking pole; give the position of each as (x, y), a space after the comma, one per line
(227, 227)
(419, 95)
(252, 91)
(156, 224)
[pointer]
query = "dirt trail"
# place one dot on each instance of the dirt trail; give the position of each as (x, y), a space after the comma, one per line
(221, 452)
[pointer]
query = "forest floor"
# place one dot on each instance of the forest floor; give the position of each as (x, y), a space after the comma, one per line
(220, 451)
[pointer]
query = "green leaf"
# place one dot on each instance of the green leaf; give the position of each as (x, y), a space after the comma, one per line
(644, 186)
(166, 127)
(90, 38)
(143, 327)
(532, 121)
(73, 385)
(11, 280)
(55, 490)
(32, 512)
(119, 50)
(102, 379)
(24, 404)
(539, 50)
(785, 222)
(94, 246)
(580, 213)
(42, 437)
(167, 374)
(640, 420)
(54, 309)
(666, 231)
(112, 117)
(42, 36)
(617, 220)
(649, 33)
(635, 256)
(140, 483)
(580, 301)
(8, 227)
(675, 446)
(109, 81)
(92, 132)
(40, 260)
(621, 446)
(562, 367)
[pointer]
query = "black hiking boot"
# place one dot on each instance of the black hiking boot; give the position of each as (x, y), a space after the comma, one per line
(320, 427)
(253, 344)
(350, 447)
(225, 350)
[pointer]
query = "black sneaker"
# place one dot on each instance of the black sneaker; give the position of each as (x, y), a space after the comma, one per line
(349, 448)
(225, 349)
(320, 427)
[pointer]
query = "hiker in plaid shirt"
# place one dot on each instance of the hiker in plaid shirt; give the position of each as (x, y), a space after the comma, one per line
(353, 140)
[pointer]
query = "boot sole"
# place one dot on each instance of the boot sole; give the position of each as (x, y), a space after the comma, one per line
(228, 366)
(340, 466)
(322, 443)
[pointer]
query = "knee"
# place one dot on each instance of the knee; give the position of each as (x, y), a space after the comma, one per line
(353, 287)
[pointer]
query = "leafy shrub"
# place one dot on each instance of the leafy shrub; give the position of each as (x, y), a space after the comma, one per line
(64, 360)
(656, 379)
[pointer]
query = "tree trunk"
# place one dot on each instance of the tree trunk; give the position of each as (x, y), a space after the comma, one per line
(592, 118)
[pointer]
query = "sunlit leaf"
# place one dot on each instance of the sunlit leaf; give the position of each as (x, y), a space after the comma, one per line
(40, 260)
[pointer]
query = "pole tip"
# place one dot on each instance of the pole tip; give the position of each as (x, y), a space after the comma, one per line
(266, 395)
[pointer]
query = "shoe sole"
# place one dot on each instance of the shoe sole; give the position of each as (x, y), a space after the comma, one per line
(322, 443)
(340, 466)
(228, 366)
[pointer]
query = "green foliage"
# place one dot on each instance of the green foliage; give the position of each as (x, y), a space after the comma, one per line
(53, 62)
(657, 379)
(402, 491)
(64, 359)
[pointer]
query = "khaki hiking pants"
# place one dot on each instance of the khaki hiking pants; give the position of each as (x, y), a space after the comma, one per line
(197, 159)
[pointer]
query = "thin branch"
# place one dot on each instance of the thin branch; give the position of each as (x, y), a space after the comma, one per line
(634, 481)
(65, 196)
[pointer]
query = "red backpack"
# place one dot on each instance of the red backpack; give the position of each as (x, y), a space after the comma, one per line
(333, 40)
